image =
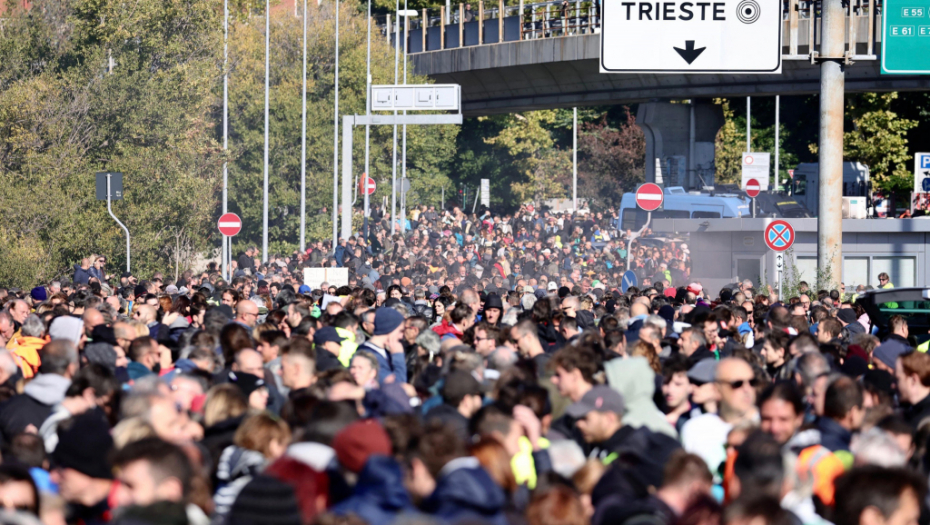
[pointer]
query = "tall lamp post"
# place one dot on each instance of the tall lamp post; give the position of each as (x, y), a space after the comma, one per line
(336, 138)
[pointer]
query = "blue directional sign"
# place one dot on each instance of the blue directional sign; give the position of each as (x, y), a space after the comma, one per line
(922, 173)
(779, 235)
(629, 279)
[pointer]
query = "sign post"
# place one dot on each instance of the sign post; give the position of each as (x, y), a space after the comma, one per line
(110, 187)
(649, 197)
(724, 36)
(779, 266)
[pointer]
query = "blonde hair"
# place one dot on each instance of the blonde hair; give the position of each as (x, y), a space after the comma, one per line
(138, 326)
(131, 430)
(223, 402)
(258, 431)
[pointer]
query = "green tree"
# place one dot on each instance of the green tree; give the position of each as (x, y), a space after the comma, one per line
(878, 139)
(611, 160)
(430, 149)
(529, 143)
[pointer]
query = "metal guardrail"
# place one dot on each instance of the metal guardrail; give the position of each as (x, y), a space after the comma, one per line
(494, 23)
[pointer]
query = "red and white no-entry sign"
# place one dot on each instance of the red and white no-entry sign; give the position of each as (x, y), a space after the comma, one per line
(368, 188)
(230, 224)
(649, 196)
(753, 188)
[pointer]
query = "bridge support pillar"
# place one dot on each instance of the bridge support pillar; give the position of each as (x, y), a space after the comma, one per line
(680, 141)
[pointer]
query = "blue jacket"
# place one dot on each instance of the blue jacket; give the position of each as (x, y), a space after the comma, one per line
(392, 364)
(833, 436)
(465, 492)
(81, 276)
(339, 254)
(379, 495)
(95, 272)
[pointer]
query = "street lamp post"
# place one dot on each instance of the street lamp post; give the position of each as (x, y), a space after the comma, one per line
(336, 137)
(265, 183)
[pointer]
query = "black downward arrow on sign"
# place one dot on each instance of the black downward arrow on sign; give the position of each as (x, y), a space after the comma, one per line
(689, 53)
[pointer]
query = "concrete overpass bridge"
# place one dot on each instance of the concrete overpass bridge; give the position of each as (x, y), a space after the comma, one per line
(531, 58)
(541, 56)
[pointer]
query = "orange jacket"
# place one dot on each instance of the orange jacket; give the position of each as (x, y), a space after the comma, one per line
(26, 352)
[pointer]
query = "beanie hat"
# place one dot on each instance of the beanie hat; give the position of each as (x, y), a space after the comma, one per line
(265, 501)
(84, 444)
(889, 353)
(39, 294)
(359, 441)
(246, 382)
(68, 328)
(101, 353)
(847, 315)
(387, 320)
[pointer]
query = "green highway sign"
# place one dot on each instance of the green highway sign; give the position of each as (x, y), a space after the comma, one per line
(906, 37)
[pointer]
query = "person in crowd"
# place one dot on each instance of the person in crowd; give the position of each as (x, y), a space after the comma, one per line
(462, 371)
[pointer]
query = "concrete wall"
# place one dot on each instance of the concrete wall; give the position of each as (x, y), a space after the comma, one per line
(717, 245)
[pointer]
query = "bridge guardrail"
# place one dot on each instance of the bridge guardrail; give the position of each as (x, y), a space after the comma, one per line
(492, 23)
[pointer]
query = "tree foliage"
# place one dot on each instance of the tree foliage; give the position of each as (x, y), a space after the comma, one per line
(611, 160)
(541, 163)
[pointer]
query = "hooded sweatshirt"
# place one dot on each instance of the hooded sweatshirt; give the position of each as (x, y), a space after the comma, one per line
(636, 383)
(33, 406)
(466, 492)
(379, 495)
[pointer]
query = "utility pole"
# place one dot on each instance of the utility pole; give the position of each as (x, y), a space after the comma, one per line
(403, 173)
(336, 137)
(394, 148)
(574, 159)
(748, 123)
(777, 145)
(367, 127)
(265, 183)
(303, 143)
(832, 87)
(226, 240)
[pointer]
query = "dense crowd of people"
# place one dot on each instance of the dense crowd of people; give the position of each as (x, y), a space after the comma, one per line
(477, 369)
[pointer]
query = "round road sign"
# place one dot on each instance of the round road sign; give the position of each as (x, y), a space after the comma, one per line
(230, 224)
(753, 188)
(779, 235)
(371, 185)
(649, 196)
(629, 279)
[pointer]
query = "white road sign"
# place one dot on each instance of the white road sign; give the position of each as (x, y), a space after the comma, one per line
(693, 36)
(756, 166)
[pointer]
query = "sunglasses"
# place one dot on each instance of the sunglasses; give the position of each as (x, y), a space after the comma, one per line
(736, 385)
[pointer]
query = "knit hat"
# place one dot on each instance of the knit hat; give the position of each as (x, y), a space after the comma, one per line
(84, 444)
(889, 353)
(101, 353)
(246, 382)
(265, 501)
(387, 320)
(360, 440)
(847, 315)
(39, 294)
(494, 301)
(68, 328)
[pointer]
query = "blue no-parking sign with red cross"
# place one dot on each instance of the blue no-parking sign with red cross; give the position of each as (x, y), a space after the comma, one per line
(779, 235)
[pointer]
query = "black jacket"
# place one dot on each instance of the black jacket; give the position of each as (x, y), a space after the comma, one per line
(326, 360)
(33, 406)
(918, 412)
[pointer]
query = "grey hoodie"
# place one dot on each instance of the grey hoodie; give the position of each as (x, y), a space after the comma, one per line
(635, 381)
(48, 389)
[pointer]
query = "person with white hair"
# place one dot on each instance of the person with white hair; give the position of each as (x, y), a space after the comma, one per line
(877, 447)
